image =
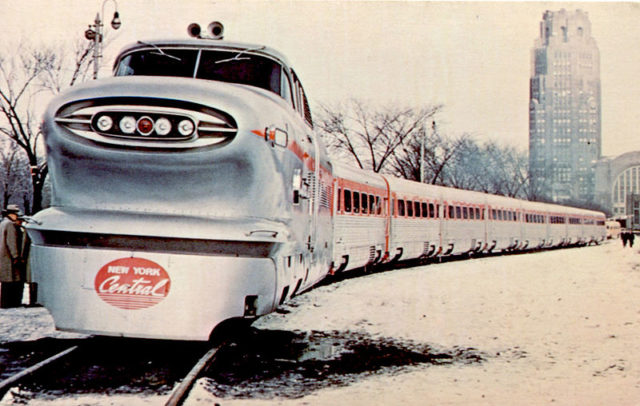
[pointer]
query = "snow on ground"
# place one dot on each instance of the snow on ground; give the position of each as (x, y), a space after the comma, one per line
(557, 327)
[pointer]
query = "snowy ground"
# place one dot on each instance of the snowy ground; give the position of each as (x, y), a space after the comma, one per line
(556, 327)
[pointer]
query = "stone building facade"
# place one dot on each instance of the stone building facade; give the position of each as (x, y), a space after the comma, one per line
(564, 108)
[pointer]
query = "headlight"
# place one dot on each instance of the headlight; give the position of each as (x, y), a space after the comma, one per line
(104, 123)
(128, 125)
(163, 126)
(185, 127)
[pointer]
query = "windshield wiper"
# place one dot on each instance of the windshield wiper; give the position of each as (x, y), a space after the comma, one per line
(160, 51)
(237, 56)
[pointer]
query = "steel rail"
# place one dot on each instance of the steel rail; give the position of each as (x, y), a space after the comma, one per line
(5, 384)
(180, 392)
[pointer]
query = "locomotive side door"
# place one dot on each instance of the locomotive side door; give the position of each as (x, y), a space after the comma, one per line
(312, 177)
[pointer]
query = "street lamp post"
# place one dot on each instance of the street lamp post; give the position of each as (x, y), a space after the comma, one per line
(94, 33)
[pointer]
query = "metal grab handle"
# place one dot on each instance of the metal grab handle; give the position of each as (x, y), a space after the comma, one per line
(273, 233)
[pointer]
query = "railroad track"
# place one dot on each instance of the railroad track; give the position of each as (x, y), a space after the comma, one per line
(181, 391)
(6, 384)
(80, 367)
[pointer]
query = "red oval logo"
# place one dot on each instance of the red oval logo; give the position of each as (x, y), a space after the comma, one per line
(132, 283)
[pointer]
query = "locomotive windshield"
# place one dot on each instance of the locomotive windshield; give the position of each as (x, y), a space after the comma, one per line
(224, 66)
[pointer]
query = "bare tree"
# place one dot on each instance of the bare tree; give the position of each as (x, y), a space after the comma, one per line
(15, 182)
(68, 68)
(508, 170)
(25, 74)
(19, 82)
(467, 167)
(440, 152)
(356, 132)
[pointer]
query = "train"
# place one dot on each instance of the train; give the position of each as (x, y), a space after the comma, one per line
(191, 189)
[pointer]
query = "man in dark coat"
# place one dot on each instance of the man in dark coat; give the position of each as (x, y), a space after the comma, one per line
(11, 246)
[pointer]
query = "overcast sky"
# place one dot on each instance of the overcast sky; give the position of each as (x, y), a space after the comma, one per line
(474, 58)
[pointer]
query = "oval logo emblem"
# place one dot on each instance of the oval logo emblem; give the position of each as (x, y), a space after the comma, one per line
(132, 283)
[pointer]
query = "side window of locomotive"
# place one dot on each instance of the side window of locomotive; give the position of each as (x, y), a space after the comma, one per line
(302, 104)
(252, 70)
(286, 90)
(169, 62)
(372, 205)
(424, 211)
(409, 208)
(339, 202)
(347, 201)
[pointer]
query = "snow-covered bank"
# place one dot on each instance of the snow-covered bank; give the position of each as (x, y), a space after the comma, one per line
(558, 327)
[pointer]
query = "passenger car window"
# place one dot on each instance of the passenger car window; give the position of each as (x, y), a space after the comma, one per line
(365, 204)
(347, 201)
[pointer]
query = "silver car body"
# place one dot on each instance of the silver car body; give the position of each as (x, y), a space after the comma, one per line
(195, 196)
(168, 237)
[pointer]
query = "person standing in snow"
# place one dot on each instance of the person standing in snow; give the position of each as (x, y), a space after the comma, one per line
(11, 239)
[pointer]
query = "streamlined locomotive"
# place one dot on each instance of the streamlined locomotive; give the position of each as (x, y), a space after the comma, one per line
(190, 189)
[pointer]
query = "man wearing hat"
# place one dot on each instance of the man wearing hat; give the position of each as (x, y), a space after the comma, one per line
(11, 246)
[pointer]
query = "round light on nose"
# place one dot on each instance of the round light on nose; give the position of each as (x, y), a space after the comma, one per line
(128, 125)
(163, 126)
(145, 125)
(185, 127)
(104, 123)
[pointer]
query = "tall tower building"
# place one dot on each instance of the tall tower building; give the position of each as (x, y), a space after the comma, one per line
(564, 108)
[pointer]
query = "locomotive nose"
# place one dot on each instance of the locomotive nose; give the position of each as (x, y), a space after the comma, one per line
(156, 152)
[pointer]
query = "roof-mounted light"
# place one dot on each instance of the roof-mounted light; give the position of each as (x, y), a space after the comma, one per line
(215, 30)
